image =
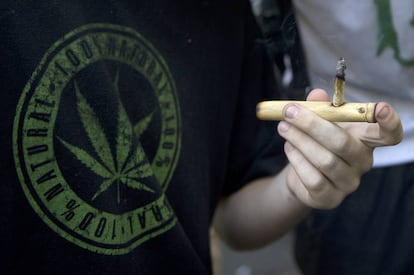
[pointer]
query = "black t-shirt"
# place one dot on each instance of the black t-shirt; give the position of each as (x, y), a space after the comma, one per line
(122, 125)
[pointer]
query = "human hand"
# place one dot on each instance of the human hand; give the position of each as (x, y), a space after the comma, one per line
(328, 159)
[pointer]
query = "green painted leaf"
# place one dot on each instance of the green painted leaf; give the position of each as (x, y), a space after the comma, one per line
(94, 130)
(89, 161)
(142, 125)
(124, 137)
(142, 170)
(124, 133)
(103, 187)
(137, 157)
(135, 184)
(130, 164)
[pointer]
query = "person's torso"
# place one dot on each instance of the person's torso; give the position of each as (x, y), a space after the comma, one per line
(116, 118)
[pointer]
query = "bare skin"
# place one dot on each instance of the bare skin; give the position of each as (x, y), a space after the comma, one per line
(326, 162)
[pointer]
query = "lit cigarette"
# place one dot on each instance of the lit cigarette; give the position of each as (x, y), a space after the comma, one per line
(339, 84)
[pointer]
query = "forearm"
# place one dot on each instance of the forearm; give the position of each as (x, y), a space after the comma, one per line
(259, 213)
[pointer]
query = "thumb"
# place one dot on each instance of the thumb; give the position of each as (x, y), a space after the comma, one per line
(390, 126)
(388, 129)
(318, 95)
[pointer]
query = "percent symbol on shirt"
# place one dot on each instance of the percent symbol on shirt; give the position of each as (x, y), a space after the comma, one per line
(70, 213)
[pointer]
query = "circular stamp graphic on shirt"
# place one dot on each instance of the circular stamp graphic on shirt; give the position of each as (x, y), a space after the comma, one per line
(97, 138)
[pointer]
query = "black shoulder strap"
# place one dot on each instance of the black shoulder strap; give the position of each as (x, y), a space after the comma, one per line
(282, 39)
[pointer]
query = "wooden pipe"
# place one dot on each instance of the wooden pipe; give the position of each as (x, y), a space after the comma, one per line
(336, 111)
(347, 112)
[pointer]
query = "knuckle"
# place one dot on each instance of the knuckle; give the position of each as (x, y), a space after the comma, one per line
(333, 201)
(311, 124)
(365, 164)
(394, 140)
(342, 142)
(368, 164)
(307, 121)
(316, 184)
(351, 186)
(328, 162)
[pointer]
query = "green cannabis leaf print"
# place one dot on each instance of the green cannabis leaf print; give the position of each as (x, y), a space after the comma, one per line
(129, 165)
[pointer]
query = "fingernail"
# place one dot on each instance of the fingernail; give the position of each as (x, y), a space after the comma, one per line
(283, 126)
(383, 113)
(291, 111)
